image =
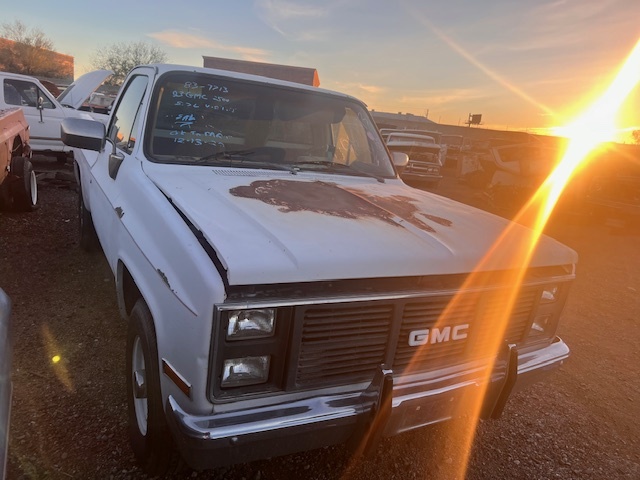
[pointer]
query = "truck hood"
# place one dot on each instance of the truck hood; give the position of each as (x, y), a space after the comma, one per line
(76, 93)
(274, 227)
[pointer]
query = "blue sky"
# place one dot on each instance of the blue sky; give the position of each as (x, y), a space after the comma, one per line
(521, 63)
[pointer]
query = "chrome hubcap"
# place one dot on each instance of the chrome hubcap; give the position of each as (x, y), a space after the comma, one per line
(33, 183)
(138, 376)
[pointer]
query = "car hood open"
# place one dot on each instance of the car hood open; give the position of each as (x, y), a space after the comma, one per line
(274, 227)
(76, 93)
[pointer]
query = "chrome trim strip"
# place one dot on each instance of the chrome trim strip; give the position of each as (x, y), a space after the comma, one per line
(288, 302)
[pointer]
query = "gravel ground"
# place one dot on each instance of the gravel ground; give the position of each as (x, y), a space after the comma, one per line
(69, 418)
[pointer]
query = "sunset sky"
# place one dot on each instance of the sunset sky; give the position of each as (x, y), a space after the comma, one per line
(522, 64)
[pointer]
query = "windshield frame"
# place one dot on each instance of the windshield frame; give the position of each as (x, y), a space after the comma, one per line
(380, 164)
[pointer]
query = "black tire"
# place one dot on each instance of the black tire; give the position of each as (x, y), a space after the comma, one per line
(24, 185)
(149, 433)
(88, 238)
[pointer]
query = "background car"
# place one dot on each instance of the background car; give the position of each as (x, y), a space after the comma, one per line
(44, 112)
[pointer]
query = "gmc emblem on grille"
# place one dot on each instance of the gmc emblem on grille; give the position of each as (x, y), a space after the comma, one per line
(438, 335)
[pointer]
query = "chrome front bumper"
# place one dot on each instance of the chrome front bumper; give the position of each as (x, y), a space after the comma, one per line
(388, 407)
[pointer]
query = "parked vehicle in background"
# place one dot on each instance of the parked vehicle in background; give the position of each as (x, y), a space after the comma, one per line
(5, 380)
(18, 184)
(437, 138)
(98, 103)
(44, 112)
(456, 143)
(424, 157)
(384, 132)
(610, 187)
(284, 288)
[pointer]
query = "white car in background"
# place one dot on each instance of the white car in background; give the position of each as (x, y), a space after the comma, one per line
(424, 156)
(44, 112)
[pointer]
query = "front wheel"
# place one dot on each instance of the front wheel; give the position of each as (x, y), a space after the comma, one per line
(24, 186)
(148, 430)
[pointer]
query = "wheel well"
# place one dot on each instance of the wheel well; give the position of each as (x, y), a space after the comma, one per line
(76, 174)
(128, 292)
(18, 148)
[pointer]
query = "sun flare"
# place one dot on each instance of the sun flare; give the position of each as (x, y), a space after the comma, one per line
(595, 126)
(57, 365)
(584, 136)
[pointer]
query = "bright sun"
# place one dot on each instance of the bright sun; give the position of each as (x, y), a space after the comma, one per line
(586, 133)
(595, 126)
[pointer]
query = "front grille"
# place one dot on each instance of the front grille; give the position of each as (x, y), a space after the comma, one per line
(343, 343)
(479, 311)
(347, 342)
(425, 315)
(422, 167)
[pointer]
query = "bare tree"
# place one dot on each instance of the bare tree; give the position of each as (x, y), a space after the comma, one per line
(29, 51)
(122, 57)
(635, 136)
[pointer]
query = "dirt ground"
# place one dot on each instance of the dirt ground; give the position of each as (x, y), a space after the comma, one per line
(69, 418)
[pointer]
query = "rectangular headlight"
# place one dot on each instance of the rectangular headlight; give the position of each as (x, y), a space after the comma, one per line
(251, 323)
(549, 294)
(540, 325)
(545, 322)
(239, 372)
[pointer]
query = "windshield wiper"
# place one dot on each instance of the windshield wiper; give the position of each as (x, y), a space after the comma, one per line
(226, 155)
(240, 158)
(337, 167)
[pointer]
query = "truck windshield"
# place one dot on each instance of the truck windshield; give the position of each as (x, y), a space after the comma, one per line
(203, 119)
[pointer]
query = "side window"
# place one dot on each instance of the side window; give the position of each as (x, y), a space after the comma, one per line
(24, 94)
(125, 115)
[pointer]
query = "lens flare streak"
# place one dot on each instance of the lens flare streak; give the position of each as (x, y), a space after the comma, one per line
(58, 365)
(595, 126)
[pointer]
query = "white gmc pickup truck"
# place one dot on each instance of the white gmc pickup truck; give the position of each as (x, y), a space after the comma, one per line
(284, 289)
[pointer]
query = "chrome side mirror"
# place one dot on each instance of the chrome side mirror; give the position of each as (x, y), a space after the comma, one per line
(400, 160)
(83, 133)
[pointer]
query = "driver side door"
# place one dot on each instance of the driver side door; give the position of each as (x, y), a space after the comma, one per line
(116, 165)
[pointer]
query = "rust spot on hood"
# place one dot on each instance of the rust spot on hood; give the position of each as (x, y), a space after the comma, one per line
(402, 207)
(331, 199)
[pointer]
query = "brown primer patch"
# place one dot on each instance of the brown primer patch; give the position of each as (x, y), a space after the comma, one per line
(330, 199)
(402, 206)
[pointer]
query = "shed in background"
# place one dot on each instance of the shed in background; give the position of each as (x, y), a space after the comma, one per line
(304, 75)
